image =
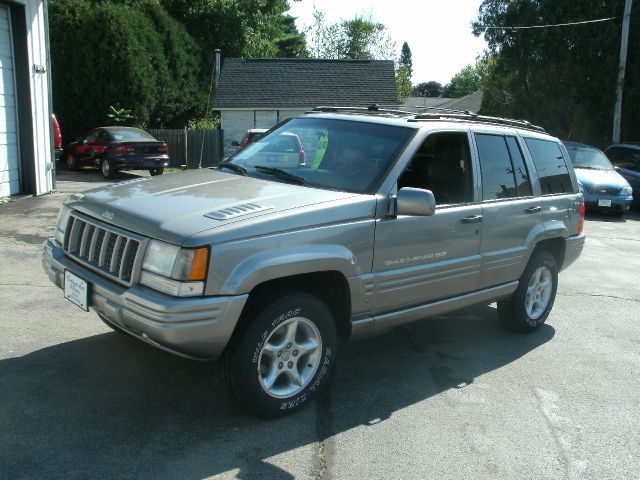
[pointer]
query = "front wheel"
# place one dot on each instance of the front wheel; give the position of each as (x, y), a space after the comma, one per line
(529, 306)
(284, 356)
(107, 168)
(156, 171)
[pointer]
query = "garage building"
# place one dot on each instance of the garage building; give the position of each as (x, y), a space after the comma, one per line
(26, 149)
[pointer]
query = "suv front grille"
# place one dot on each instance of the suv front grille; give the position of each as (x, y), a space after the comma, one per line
(111, 253)
(603, 190)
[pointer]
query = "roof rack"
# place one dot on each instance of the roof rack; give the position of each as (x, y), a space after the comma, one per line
(374, 108)
(441, 109)
(472, 117)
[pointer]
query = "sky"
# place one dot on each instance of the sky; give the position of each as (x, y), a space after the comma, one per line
(438, 31)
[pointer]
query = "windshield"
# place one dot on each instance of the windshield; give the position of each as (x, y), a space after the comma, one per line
(130, 134)
(325, 153)
(585, 157)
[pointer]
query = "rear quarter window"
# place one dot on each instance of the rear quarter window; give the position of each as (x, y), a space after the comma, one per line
(551, 166)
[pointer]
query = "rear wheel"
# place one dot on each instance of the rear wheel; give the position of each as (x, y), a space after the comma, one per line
(72, 161)
(107, 168)
(284, 356)
(529, 306)
(156, 171)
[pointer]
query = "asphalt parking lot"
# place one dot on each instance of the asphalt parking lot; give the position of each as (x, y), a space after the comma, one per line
(452, 397)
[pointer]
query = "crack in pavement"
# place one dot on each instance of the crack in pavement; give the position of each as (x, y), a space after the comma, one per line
(23, 285)
(598, 295)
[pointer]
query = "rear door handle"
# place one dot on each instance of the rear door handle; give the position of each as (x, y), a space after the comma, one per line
(472, 219)
(534, 210)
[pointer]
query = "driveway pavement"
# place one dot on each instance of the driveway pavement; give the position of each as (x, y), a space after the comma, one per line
(452, 397)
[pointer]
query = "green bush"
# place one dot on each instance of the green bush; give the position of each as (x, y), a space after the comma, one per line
(128, 54)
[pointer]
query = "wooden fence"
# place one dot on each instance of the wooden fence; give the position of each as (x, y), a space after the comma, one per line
(191, 148)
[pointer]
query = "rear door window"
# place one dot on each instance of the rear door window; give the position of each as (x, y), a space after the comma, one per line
(504, 173)
(551, 166)
(497, 171)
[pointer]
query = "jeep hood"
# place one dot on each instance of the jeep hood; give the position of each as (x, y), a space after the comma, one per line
(174, 207)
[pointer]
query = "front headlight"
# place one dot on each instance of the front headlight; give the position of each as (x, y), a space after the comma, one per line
(61, 224)
(626, 191)
(174, 270)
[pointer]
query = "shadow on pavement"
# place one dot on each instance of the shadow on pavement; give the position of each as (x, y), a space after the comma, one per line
(108, 406)
(629, 216)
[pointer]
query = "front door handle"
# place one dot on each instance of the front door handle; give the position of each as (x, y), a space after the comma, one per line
(534, 210)
(472, 219)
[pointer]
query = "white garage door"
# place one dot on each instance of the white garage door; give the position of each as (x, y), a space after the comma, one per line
(9, 170)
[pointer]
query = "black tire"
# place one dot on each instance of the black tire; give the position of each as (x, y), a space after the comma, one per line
(156, 171)
(521, 312)
(260, 354)
(71, 161)
(107, 169)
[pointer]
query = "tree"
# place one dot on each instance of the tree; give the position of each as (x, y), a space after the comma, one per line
(427, 89)
(403, 82)
(465, 82)
(355, 39)
(562, 78)
(291, 44)
(405, 59)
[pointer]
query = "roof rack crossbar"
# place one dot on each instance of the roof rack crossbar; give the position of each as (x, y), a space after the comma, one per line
(370, 109)
(479, 119)
(442, 109)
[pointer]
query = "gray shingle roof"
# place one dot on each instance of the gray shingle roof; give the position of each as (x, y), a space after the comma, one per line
(304, 83)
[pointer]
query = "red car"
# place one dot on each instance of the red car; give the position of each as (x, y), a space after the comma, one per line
(118, 148)
(57, 137)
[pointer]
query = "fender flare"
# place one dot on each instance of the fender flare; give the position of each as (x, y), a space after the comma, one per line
(280, 263)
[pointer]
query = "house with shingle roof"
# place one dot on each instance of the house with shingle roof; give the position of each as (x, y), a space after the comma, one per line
(259, 93)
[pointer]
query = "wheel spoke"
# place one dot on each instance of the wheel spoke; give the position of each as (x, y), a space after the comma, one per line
(290, 335)
(271, 350)
(309, 346)
(271, 377)
(294, 376)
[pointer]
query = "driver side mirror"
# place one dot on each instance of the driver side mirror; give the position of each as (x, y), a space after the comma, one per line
(235, 144)
(416, 202)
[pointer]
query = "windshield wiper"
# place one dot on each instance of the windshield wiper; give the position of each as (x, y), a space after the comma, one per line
(279, 173)
(233, 167)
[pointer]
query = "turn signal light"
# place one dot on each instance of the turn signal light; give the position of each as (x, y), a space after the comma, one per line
(198, 270)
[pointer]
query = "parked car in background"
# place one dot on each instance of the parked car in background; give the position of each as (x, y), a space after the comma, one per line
(57, 137)
(626, 160)
(602, 186)
(252, 135)
(118, 148)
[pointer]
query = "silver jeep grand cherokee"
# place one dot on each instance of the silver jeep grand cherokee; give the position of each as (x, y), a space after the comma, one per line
(265, 260)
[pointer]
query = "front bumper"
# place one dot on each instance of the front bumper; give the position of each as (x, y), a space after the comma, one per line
(619, 203)
(198, 328)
